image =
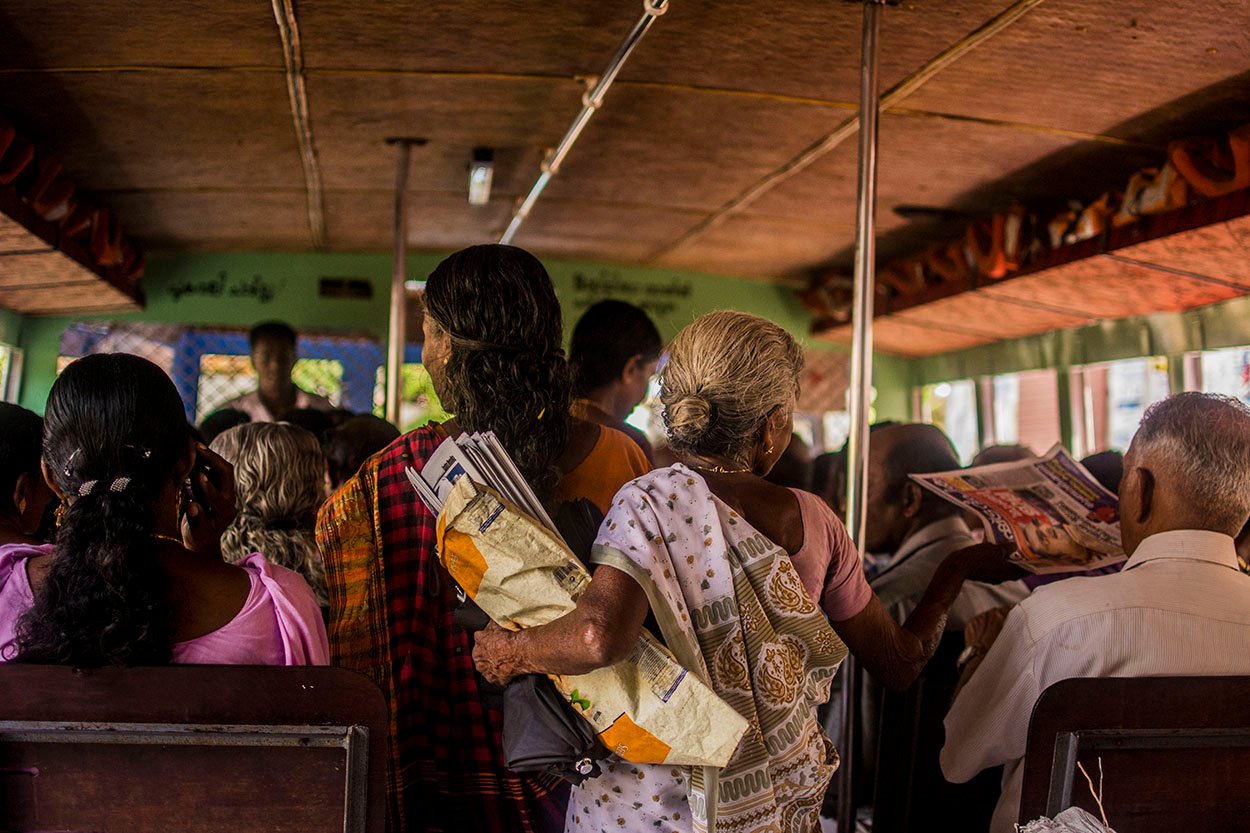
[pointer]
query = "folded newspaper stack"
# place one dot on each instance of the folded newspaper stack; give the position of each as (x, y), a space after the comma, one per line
(500, 545)
(484, 459)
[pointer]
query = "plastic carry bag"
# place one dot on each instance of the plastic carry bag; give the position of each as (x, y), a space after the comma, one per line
(647, 709)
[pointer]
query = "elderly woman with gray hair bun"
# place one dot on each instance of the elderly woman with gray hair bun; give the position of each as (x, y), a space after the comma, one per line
(279, 475)
(755, 587)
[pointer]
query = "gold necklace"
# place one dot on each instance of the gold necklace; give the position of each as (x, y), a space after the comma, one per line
(169, 538)
(720, 469)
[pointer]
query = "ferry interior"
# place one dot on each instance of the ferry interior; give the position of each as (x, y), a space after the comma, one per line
(1056, 236)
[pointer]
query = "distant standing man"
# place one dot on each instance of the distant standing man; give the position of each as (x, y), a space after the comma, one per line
(273, 356)
(614, 353)
(917, 529)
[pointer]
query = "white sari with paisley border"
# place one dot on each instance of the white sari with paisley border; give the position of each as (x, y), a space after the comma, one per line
(733, 609)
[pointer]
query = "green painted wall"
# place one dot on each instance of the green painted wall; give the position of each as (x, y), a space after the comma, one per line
(892, 378)
(1226, 324)
(241, 289)
(10, 327)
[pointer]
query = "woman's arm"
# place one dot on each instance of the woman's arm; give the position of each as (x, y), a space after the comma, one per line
(896, 654)
(600, 631)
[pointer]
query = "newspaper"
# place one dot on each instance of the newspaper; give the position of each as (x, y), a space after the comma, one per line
(1059, 517)
(484, 459)
(515, 566)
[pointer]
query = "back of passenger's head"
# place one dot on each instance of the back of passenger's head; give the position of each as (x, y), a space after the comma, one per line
(338, 416)
(220, 421)
(275, 331)
(316, 422)
(1107, 467)
(915, 448)
(353, 442)
(117, 445)
(993, 454)
(1198, 446)
(506, 370)
(606, 337)
(829, 477)
(726, 373)
(279, 477)
(21, 443)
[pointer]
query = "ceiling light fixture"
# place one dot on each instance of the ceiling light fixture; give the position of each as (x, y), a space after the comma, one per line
(481, 172)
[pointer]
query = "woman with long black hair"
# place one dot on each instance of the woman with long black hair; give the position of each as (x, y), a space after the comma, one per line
(123, 585)
(493, 337)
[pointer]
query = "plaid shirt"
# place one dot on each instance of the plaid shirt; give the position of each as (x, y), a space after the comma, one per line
(391, 609)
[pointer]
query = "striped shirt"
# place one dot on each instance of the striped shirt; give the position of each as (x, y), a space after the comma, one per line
(903, 582)
(1179, 607)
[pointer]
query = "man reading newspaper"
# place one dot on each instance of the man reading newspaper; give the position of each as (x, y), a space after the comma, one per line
(1179, 607)
(1057, 515)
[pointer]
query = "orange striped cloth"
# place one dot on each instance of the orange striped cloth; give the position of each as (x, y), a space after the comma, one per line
(391, 606)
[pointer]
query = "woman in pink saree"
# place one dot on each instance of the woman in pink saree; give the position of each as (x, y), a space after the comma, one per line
(136, 576)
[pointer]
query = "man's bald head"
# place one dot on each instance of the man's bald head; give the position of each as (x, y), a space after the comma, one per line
(913, 448)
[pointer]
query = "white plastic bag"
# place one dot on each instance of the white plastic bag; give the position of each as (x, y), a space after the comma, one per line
(1071, 820)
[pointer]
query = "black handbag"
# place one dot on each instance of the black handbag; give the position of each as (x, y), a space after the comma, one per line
(541, 731)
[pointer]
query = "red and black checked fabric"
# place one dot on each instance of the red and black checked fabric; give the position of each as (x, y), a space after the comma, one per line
(391, 607)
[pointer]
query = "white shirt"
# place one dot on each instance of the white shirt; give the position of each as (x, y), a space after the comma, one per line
(1179, 607)
(902, 583)
(250, 404)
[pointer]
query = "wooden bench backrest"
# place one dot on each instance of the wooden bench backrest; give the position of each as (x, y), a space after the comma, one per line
(191, 749)
(1175, 752)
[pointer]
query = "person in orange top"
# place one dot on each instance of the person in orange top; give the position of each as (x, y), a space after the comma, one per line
(614, 352)
(492, 347)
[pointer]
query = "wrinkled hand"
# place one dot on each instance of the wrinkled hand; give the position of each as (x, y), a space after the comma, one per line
(497, 654)
(988, 563)
(214, 509)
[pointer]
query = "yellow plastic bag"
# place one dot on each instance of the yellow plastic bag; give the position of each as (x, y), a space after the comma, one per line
(647, 709)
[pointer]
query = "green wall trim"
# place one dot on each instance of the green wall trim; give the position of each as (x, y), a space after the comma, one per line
(893, 379)
(1225, 324)
(11, 324)
(240, 289)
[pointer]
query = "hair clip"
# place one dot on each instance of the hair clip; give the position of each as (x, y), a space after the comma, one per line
(69, 464)
(144, 453)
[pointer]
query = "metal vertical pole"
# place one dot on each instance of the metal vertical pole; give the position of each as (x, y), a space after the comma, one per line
(396, 336)
(591, 102)
(988, 429)
(861, 373)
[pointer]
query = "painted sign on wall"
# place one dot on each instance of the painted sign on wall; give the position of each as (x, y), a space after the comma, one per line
(659, 298)
(223, 286)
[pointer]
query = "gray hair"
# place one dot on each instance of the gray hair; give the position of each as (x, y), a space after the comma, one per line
(1201, 443)
(726, 372)
(279, 476)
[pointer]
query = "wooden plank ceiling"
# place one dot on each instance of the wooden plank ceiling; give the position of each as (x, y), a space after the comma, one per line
(42, 275)
(178, 117)
(1170, 262)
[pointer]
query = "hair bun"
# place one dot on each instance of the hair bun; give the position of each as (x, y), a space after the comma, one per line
(689, 417)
